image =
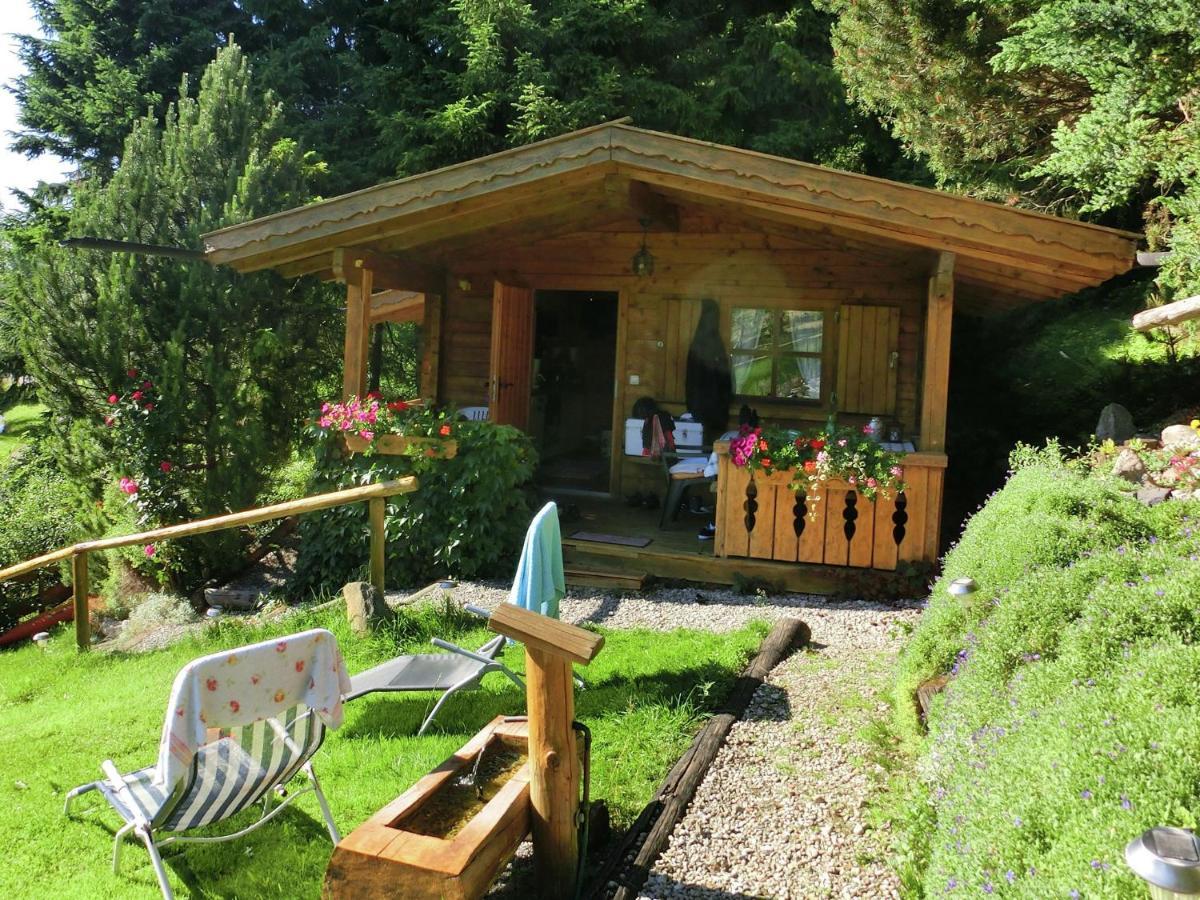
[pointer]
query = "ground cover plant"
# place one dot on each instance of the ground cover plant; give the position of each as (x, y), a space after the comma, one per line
(1071, 722)
(65, 712)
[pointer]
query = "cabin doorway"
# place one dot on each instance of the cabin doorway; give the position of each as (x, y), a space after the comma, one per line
(574, 366)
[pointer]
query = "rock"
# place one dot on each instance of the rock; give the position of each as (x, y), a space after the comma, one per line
(1152, 495)
(1116, 424)
(1180, 437)
(364, 607)
(1129, 465)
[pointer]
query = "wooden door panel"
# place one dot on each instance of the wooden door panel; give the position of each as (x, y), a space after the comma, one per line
(511, 369)
(868, 354)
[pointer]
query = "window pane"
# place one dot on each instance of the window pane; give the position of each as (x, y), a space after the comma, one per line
(799, 377)
(802, 330)
(751, 329)
(752, 374)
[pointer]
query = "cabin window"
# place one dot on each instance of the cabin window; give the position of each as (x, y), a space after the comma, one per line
(777, 353)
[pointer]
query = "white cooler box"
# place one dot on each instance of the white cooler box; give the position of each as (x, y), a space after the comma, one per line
(689, 437)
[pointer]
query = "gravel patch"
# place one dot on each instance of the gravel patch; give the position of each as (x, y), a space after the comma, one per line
(781, 811)
(664, 609)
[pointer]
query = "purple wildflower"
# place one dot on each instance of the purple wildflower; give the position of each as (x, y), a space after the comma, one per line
(1125, 802)
(1085, 794)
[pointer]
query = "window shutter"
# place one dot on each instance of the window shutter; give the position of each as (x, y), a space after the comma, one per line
(868, 356)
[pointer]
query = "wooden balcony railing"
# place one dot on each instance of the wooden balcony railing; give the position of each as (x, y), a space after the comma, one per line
(760, 517)
(374, 494)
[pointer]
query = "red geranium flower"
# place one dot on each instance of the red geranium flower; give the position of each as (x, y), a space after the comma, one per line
(444, 431)
(816, 443)
(165, 466)
(810, 466)
(136, 395)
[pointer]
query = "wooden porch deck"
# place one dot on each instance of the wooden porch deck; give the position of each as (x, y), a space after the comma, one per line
(674, 552)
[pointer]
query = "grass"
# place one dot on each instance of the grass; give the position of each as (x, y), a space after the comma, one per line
(22, 422)
(63, 713)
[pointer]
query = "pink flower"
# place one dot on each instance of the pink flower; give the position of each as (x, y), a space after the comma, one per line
(112, 398)
(165, 466)
(136, 395)
(842, 442)
(128, 486)
(324, 408)
(149, 407)
(325, 421)
(896, 471)
(366, 435)
(132, 373)
(147, 385)
(149, 550)
(108, 420)
(871, 483)
(866, 429)
(852, 480)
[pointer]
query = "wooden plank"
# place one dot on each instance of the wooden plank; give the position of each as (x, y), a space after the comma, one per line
(389, 271)
(862, 545)
(936, 380)
(916, 495)
(79, 590)
(736, 539)
(720, 511)
(786, 545)
(868, 359)
(358, 336)
(933, 514)
(762, 537)
(811, 546)
(1170, 314)
(837, 548)
(546, 635)
(511, 365)
(883, 555)
(893, 361)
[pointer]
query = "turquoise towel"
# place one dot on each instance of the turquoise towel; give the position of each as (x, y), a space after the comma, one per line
(539, 583)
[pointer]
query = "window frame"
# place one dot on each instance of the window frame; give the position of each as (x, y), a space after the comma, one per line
(777, 353)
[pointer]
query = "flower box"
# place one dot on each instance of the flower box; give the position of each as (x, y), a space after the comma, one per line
(401, 445)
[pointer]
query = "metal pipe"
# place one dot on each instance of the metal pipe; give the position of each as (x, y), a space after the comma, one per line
(111, 246)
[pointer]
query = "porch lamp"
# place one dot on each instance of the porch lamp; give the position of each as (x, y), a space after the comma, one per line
(1168, 860)
(643, 260)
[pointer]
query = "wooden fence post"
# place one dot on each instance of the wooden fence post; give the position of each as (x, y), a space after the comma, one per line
(79, 588)
(376, 507)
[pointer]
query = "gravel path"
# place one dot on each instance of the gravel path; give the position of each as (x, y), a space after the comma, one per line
(781, 811)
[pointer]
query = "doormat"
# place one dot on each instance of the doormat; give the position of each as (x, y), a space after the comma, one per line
(597, 538)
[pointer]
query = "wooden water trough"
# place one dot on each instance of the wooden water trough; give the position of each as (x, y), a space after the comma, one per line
(448, 835)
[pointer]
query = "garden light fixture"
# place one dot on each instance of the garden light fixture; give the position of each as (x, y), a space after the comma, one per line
(1167, 859)
(42, 639)
(963, 587)
(643, 260)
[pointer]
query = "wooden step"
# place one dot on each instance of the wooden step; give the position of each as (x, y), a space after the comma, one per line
(597, 578)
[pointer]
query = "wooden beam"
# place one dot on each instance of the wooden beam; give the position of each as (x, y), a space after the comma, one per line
(358, 335)
(935, 383)
(389, 271)
(397, 306)
(640, 199)
(1171, 314)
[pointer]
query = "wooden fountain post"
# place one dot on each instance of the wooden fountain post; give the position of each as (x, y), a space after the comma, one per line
(550, 649)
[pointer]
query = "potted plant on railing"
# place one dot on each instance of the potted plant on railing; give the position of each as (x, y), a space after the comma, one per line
(397, 427)
(816, 457)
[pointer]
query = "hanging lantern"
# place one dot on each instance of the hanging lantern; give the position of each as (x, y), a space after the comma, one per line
(643, 260)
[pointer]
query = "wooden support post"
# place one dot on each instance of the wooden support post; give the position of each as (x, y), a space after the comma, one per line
(376, 507)
(358, 334)
(554, 780)
(431, 346)
(550, 648)
(935, 385)
(79, 588)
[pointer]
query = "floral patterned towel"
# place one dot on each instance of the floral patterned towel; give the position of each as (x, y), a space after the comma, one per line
(247, 685)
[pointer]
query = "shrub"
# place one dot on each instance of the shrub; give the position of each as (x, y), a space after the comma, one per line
(466, 519)
(1072, 722)
(38, 509)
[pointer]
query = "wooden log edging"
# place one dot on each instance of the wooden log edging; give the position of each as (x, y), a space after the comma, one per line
(677, 791)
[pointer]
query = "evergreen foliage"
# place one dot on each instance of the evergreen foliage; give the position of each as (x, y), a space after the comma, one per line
(384, 89)
(1072, 105)
(193, 366)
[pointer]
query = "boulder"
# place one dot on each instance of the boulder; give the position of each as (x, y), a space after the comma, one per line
(1116, 424)
(1152, 495)
(1129, 465)
(365, 608)
(1180, 437)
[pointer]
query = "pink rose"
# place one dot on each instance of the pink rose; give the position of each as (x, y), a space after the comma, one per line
(136, 395)
(149, 550)
(896, 471)
(132, 373)
(165, 466)
(871, 482)
(112, 398)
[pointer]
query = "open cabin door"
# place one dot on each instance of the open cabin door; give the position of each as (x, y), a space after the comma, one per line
(510, 376)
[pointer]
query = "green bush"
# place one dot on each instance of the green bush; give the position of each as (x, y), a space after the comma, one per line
(466, 520)
(39, 508)
(1072, 721)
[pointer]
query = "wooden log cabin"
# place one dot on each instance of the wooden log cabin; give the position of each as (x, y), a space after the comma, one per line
(520, 270)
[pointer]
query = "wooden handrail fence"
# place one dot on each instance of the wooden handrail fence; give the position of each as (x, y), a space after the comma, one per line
(374, 494)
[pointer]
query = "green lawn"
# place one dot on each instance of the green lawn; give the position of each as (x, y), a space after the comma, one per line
(21, 421)
(63, 713)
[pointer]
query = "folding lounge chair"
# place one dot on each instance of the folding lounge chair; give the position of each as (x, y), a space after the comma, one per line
(241, 752)
(458, 670)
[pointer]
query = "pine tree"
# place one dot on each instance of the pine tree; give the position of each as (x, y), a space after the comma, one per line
(211, 370)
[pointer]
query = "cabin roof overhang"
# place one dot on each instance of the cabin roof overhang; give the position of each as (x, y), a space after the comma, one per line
(1005, 256)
